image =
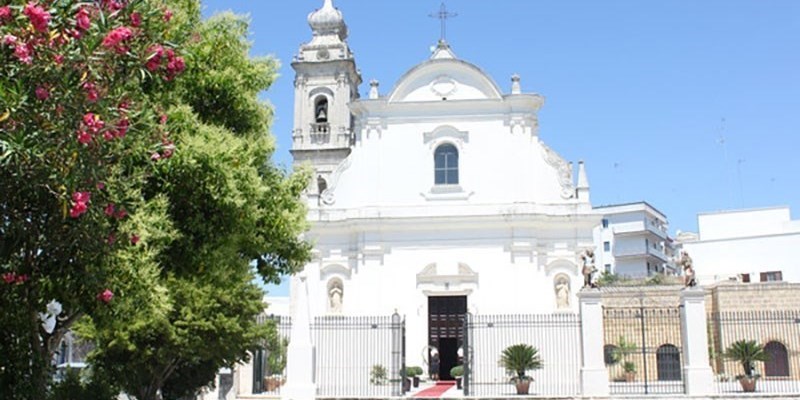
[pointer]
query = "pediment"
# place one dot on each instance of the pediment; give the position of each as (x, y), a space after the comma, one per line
(458, 273)
(445, 79)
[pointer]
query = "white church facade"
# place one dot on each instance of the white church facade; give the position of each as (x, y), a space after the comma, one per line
(432, 199)
(443, 224)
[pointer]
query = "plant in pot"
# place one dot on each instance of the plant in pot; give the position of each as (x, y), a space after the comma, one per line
(517, 360)
(747, 352)
(276, 364)
(623, 349)
(377, 375)
(414, 373)
(457, 372)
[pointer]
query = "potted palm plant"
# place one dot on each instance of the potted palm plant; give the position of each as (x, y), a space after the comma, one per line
(747, 352)
(457, 372)
(517, 360)
(621, 352)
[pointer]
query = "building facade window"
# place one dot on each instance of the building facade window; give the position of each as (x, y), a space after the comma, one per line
(772, 276)
(778, 363)
(608, 268)
(605, 222)
(606, 246)
(445, 160)
(668, 363)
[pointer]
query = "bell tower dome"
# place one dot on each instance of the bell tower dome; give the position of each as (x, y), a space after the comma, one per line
(326, 81)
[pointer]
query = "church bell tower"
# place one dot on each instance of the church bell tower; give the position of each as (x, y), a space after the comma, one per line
(326, 81)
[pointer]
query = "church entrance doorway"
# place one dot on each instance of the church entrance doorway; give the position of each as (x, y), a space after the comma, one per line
(446, 331)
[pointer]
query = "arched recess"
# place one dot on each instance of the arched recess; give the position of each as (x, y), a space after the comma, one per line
(445, 160)
(668, 363)
(778, 364)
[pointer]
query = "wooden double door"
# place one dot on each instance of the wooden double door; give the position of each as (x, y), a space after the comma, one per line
(446, 316)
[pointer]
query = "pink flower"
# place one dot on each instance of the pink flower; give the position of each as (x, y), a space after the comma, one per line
(91, 91)
(23, 53)
(113, 5)
(59, 59)
(136, 20)
(167, 15)
(114, 39)
(134, 239)
(22, 279)
(163, 119)
(9, 277)
(82, 20)
(81, 197)
(5, 14)
(105, 296)
(155, 157)
(9, 40)
(101, 185)
(111, 239)
(109, 209)
(121, 214)
(77, 210)
(122, 127)
(84, 137)
(42, 93)
(108, 135)
(154, 61)
(38, 16)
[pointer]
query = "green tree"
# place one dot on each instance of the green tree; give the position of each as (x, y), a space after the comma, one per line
(229, 206)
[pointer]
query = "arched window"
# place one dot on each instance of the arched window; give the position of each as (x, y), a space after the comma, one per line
(445, 160)
(778, 364)
(321, 110)
(668, 363)
(322, 185)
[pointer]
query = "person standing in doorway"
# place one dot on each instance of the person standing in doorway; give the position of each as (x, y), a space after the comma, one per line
(435, 365)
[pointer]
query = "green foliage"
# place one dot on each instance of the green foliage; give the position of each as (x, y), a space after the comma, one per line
(746, 352)
(413, 371)
(83, 385)
(457, 371)
(377, 375)
(608, 279)
(519, 358)
(623, 349)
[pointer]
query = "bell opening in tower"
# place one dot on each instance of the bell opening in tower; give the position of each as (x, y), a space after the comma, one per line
(321, 110)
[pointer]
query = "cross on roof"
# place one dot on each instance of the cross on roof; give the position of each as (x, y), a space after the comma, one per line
(443, 15)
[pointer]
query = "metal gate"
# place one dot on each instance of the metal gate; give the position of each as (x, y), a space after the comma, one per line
(359, 356)
(643, 349)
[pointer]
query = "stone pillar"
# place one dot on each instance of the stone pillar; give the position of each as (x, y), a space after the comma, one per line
(697, 374)
(594, 375)
(300, 354)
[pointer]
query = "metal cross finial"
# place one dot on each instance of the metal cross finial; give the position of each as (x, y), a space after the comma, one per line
(443, 15)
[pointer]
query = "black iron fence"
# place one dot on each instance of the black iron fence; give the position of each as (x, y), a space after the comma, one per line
(555, 336)
(269, 362)
(643, 349)
(359, 356)
(776, 332)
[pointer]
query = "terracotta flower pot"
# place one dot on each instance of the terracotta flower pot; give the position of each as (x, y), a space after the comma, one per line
(523, 386)
(629, 376)
(748, 384)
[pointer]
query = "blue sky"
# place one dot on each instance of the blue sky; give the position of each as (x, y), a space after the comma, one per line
(642, 91)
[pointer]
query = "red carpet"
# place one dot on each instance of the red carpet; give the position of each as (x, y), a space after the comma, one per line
(436, 390)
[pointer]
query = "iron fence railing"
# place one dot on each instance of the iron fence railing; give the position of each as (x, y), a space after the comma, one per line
(359, 356)
(643, 349)
(556, 336)
(779, 334)
(269, 362)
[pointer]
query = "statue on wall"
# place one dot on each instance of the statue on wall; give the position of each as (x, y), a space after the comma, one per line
(589, 271)
(335, 293)
(689, 279)
(562, 292)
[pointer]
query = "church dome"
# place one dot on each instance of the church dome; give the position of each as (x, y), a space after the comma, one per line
(328, 21)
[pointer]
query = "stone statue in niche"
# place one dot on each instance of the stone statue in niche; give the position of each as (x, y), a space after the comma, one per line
(335, 294)
(689, 279)
(562, 292)
(589, 271)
